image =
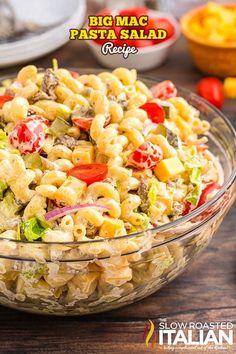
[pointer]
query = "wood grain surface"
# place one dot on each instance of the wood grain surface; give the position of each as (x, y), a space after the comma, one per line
(205, 292)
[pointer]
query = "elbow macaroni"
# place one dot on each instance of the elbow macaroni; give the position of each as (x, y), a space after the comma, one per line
(111, 128)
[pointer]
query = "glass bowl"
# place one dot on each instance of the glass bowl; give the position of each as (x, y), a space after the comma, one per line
(81, 278)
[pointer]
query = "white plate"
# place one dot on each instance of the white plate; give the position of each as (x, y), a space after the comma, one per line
(65, 14)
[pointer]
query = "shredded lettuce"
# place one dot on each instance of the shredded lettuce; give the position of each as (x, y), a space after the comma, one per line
(8, 210)
(152, 193)
(196, 175)
(33, 272)
(3, 187)
(8, 205)
(156, 189)
(196, 179)
(145, 224)
(32, 229)
(192, 162)
(193, 196)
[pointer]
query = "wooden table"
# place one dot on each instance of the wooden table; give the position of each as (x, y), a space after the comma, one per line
(206, 292)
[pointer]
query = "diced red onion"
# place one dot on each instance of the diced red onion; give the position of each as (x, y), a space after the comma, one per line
(149, 128)
(59, 212)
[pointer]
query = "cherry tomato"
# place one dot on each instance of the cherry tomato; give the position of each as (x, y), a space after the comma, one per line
(134, 11)
(164, 90)
(211, 89)
(4, 99)
(154, 111)
(206, 191)
(84, 123)
(29, 135)
(74, 74)
(146, 156)
(90, 173)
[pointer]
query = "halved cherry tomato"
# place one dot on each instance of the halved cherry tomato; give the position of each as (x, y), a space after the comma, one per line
(154, 111)
(74, 74)
(164, 90)
(90, 173)
(146, 156)
(134, 11)
(29, 135)
(211, 89)
(84, 123)
(206, 191)
(4, 99)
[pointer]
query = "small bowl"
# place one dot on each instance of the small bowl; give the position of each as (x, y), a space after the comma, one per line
(218, 60)
(147, 58)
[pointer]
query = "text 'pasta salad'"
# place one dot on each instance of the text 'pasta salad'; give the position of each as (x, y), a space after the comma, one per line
(98, 156)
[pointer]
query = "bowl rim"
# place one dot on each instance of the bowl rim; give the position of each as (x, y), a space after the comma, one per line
(184, 25)
(153, 48)
(196, 212)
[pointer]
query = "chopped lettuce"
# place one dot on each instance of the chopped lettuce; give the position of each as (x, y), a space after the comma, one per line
(196, 179)
(32, 229)
(145, 224)
(8, 210)
(196, 175)
(3, 187)
(32, 273)
(193, 196)
(192, 162)
(152, 193)
(156, 189)
(8, 206)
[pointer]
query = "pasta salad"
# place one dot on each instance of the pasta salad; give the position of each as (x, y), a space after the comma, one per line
(98, 156)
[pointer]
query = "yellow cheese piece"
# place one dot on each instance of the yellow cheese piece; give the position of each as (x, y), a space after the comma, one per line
(70, 191)
(184, 128)
(83, 155)
(168, 202)
(230, 87)
(112, 228)
(168, 168)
